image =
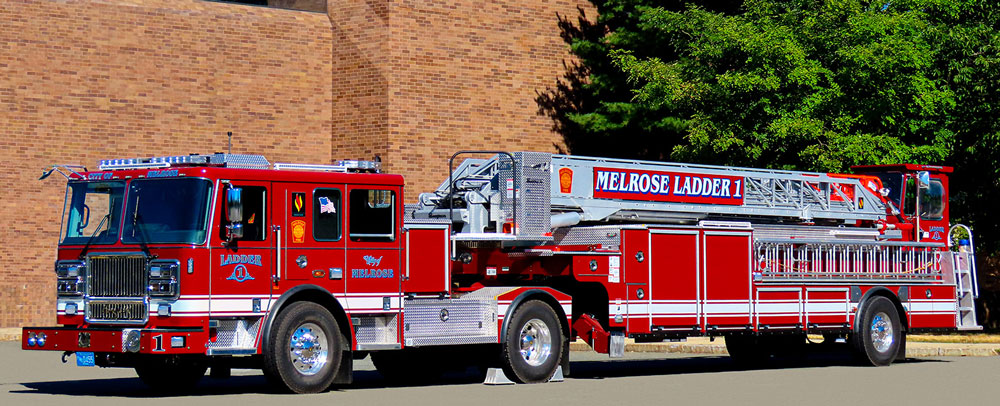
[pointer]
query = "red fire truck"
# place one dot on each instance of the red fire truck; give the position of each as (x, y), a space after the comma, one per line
(173, 265)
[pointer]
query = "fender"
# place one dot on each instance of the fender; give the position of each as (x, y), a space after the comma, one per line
(529, 294)
(883, 291)
(308, 290)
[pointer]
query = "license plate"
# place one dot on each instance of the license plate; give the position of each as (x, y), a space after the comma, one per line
(84, 359)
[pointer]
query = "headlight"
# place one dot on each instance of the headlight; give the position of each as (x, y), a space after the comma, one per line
(70, 278)
(67, 269)
(163, 277)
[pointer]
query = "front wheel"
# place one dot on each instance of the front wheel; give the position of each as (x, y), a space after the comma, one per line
(533, 347)
(305, 348)
(878, 335)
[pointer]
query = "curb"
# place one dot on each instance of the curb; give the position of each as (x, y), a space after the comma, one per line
(10, 334)
(701, 345)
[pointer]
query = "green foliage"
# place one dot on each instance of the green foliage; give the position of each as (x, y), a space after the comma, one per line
(797, 84)
(793, 84)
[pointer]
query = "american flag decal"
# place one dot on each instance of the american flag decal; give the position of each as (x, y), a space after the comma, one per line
(326, 206)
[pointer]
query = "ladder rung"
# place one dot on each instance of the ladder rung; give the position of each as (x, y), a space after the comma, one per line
(966, 309)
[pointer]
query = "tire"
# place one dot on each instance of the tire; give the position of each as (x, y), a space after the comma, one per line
(305, 348)
(533, 347)
(879, 335)
(171, 374)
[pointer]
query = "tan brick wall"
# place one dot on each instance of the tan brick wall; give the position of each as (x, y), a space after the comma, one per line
(83, 80)
(468, 78)
(411, 80)
(360, 78)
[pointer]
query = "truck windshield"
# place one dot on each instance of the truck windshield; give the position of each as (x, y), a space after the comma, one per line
(93, 209)
(167, 211)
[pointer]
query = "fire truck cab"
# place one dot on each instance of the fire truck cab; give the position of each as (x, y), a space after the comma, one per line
(173, 265)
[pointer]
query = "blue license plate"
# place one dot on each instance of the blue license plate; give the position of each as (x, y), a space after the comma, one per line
(84, 359)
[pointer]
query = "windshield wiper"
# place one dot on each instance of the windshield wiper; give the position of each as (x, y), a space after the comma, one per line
(138, 224)
(83, 254)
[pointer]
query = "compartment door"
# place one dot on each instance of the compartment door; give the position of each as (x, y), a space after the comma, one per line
(427, 268)
(673, 287)
(636, 260)
(726, 276)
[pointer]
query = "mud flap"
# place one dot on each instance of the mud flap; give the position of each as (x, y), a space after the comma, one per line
(345, 375)
(901, 354)
(565, 358)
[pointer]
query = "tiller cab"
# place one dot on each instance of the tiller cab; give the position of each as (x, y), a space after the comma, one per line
(173, 265)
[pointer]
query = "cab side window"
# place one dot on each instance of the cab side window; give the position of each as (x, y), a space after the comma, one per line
(326, 215)
(254, 214)
(932, 201)
(372, 213)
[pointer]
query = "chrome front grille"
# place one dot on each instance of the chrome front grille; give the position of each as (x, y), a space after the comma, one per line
(116, 289)
(116, 311)
(117, 276)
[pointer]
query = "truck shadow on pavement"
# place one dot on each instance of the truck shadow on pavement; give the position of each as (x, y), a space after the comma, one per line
(368, 379)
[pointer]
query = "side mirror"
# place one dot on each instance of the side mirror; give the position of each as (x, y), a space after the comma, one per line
(234, 205)
(924, 180)
(234, 214)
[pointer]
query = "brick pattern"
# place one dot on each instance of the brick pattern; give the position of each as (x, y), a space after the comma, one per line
(468, 79)
(410, 80)
(84, 80)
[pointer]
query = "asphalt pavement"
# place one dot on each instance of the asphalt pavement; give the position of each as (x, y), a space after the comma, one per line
(30, 378)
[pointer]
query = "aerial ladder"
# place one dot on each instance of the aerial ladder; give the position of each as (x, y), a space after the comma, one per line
(807, 226)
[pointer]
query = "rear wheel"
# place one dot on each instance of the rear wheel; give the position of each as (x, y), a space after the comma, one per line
(533, 347)
(305, 348)
(878, 334)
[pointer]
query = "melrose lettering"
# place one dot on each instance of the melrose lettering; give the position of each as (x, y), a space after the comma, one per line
(371, 273)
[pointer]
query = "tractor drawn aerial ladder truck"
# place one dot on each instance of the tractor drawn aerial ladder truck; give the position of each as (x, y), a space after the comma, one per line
(174, 265)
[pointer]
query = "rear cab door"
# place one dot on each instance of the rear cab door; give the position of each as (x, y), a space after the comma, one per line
(372, 272)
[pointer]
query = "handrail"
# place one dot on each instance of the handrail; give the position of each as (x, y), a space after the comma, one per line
(451, 184)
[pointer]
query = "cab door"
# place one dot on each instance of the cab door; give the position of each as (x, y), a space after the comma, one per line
(311, 243)
(372, 272)
(240, 283)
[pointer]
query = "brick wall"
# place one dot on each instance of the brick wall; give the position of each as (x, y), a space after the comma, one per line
(84, 80)
(410, 80)
(468, 79)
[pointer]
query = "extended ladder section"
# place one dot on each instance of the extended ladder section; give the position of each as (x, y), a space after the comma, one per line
(825, 260)
(524, 195)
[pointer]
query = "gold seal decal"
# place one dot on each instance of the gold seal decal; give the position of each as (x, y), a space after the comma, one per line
(298, 231)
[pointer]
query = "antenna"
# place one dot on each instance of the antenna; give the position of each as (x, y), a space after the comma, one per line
(230, 135)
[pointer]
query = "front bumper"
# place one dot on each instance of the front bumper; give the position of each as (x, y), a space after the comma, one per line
(110, 340)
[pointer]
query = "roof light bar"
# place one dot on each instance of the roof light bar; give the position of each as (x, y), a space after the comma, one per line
(218, 159)
(341, 166)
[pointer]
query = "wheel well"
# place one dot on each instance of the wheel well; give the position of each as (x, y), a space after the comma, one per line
(888, 294)
(544, 297)
(316, 295)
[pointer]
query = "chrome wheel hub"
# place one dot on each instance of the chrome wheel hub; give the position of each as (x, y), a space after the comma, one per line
(308, 348)
(881, 332)
(536, 342)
